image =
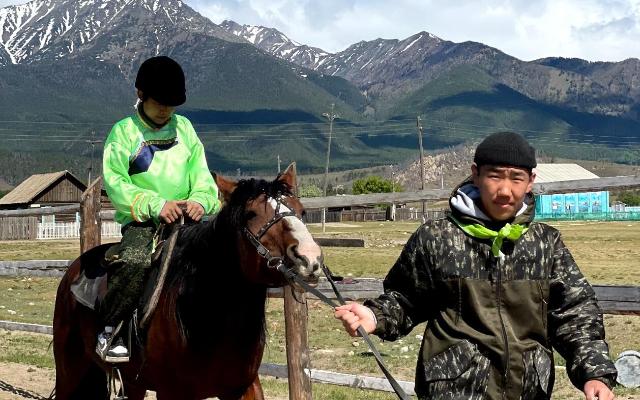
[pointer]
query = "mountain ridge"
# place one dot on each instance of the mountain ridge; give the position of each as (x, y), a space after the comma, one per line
(385, 70)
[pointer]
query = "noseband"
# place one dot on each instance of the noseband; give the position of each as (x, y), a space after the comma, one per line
(272, 261)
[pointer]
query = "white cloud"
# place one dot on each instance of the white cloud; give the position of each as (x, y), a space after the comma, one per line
(589, 29)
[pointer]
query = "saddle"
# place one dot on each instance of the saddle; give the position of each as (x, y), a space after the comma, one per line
(90, 287)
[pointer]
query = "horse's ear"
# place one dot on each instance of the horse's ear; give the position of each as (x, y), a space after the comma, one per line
(289, 177)
(225, 186)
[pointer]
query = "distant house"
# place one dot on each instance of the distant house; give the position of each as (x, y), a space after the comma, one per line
(568, 203)
(48, 190)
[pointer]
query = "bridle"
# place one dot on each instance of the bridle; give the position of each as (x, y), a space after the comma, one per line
(275, 262)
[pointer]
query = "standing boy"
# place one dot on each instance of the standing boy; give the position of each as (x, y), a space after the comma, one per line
(498, 292)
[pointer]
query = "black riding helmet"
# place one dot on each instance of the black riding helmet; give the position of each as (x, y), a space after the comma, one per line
(162, 79)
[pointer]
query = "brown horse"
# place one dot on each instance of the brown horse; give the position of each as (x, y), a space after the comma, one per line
(207, 335)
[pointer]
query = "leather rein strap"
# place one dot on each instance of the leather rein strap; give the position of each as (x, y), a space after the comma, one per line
(292, 276)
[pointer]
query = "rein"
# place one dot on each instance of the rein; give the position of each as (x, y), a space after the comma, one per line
(292, 276)
(279, 264)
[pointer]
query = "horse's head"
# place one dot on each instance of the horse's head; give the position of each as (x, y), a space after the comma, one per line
(267, 216)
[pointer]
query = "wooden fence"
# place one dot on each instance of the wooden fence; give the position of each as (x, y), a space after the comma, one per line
(71, 230)
(401, 214)
(18, 228)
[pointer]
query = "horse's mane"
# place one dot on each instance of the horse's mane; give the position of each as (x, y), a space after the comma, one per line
(205, 264)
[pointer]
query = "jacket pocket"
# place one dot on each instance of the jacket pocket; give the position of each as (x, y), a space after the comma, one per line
(460, 372)
(537, 374)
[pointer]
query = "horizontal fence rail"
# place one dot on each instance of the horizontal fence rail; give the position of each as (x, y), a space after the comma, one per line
(582, 185)
(601, 216)
(336, 378)
(612, 299)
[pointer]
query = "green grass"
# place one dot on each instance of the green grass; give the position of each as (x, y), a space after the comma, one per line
(606, 252)
(26, 348)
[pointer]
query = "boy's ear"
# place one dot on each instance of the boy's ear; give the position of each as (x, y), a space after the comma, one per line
(475, 173)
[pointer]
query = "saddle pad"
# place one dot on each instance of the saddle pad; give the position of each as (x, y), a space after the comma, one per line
(91, 283)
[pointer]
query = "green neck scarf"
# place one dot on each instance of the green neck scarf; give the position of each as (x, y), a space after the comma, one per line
(511, 232)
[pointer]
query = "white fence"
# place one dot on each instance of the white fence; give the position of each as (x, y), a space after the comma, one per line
(71, 230)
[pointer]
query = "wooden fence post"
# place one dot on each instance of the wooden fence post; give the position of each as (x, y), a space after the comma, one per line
(90, 222)
(295, 321)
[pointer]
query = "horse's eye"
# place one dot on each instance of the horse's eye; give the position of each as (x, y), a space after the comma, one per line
(250, 215)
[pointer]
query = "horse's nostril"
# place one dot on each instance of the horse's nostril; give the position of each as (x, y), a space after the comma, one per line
(292, 252)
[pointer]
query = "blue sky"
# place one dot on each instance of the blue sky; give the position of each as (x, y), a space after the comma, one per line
(596, 30)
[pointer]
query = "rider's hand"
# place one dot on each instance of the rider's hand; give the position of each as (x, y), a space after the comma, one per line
(171, 211)
(595, 389)
(194, 210)
(354, 315)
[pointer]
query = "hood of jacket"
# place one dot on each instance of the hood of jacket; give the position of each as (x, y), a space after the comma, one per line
(465, 206)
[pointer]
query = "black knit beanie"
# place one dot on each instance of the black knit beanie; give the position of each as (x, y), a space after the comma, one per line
(505, 148)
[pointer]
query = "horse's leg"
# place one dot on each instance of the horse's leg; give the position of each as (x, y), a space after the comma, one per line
(77, 376)
(253, 392)
(92, 386)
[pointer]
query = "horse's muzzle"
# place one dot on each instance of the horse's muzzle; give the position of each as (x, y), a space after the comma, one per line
(307, 263)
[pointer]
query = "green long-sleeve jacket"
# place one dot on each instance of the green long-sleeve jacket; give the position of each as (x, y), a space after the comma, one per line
(144, 167)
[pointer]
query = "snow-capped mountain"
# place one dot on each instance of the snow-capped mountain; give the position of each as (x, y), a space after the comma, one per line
(389, 69)
(278, 44)
(55, 52)
(355, 63)
(54, 29)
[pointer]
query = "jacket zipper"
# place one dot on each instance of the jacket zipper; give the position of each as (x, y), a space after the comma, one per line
(504, 330)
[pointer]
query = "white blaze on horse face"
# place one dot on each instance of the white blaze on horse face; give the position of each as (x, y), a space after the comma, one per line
(307, 247)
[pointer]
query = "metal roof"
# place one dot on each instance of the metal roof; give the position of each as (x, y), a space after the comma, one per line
(546, 173)
(34, 185)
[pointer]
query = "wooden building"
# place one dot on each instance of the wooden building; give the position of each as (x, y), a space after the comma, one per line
(45, 190)
(49, 190)
(39, 191)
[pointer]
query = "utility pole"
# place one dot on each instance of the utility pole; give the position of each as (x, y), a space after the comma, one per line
(93, 146)
(392, 211)
(330, 116)
(419, 124)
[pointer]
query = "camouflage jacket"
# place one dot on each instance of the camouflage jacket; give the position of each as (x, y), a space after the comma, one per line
(492, 321)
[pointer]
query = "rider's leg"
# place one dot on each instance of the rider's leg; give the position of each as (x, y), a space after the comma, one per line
(126, 284)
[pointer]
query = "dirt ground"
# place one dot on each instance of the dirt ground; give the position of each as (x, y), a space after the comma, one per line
(19, 382)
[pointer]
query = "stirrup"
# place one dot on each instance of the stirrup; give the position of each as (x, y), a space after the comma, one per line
(115, 376)
(107, 355)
